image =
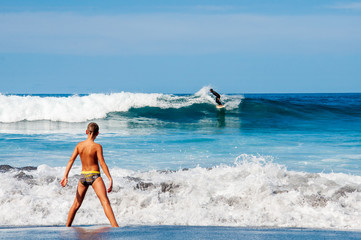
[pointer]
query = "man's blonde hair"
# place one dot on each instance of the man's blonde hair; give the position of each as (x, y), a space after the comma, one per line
(93, 128)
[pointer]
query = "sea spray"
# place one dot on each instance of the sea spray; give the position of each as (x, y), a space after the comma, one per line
(252, 192)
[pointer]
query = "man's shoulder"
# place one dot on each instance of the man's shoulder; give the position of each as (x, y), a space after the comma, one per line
(97, 145)
(87, 144)
(80, 143)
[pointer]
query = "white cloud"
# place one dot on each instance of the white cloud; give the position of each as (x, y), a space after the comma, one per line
(347, 6)
(66, 33)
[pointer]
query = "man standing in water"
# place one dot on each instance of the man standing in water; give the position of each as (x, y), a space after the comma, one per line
(91, 155)
(217, 97)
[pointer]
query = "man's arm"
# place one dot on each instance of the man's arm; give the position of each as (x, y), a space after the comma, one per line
(104, 166)
(64, 181)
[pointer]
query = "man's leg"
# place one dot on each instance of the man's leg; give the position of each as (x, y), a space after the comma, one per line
(80, 194)
(218, 101)
(101, 192)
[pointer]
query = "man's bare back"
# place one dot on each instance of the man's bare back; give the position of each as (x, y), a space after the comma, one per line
(89, 153)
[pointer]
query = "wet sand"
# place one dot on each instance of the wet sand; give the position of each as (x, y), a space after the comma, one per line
(171, 232)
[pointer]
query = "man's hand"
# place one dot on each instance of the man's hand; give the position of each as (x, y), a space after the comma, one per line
(64, 181)
(110, 188)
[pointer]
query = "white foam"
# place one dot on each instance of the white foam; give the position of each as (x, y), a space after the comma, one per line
(94, 106)
(70, 109)
(252, 192)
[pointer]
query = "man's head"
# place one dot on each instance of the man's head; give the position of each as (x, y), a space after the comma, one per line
(211, 90)
(93, 129)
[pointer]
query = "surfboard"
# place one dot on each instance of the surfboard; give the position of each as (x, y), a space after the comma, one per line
(220, 106)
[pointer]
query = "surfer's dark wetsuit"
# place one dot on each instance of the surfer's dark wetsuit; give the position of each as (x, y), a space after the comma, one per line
(217, 97)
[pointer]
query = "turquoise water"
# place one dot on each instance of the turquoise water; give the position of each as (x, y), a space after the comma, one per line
(266, 160)
(313, 133)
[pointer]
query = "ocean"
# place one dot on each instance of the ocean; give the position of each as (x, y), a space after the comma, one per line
(265, 161)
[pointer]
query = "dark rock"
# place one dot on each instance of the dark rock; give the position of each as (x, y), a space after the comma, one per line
(134, 179)
(23, 176)
(168, 187)
(144, 186)
(166, 171)
(6, 168)
(29, 168)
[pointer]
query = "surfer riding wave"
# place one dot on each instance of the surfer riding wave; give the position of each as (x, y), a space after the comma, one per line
(218, 97)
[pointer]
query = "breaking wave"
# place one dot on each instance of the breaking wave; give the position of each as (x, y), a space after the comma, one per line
(254, 110)
(74, 108)
(252, 192)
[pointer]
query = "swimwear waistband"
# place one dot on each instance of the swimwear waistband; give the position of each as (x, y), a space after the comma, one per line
(87, 172)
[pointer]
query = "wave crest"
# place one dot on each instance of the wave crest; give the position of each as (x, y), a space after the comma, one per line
(94, 106)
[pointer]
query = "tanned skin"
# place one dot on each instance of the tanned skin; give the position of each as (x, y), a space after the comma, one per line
(91, 155)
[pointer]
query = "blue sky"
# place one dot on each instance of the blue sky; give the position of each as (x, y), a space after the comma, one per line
(239, 46)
